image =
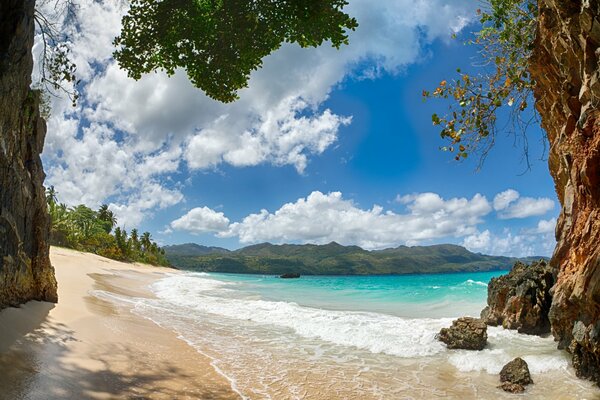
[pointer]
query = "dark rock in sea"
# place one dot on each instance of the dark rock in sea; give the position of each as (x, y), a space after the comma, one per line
(521, 299)
(465, 333)
(290, 275)
(584, 362)
(515, 376)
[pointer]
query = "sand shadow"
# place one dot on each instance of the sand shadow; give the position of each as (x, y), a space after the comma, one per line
(17, 322)
(38, 365)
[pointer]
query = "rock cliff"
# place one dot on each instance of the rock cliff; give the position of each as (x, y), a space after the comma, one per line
(25, 270)
(565, 68)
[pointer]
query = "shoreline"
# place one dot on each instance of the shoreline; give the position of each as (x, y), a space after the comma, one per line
(85, 347)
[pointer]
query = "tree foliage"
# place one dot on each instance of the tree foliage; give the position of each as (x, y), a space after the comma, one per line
(220, 42)
(57, 70)
(505, 43)
(84, 229)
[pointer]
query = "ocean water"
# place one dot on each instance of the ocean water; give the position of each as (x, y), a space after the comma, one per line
(349, 337)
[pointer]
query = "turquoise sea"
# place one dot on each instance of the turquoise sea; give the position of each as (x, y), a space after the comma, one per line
(348, 337)
(434, 296)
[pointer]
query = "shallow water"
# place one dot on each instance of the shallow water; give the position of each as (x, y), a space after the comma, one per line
(349, 337)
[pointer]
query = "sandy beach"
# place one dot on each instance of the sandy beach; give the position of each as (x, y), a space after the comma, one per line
(86, 348)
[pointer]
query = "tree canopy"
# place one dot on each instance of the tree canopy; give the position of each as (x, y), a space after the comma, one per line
(220, 42)
(84, 229)
(505, 43)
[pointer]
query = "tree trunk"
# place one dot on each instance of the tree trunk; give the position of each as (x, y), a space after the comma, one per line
(565, 68)
(25, 270)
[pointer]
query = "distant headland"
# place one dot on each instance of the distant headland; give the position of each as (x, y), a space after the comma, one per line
(335, 259)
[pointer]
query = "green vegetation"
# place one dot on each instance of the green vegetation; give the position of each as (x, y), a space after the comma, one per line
(334, 259)
(505, 44)
(84, 229)
(220, 42)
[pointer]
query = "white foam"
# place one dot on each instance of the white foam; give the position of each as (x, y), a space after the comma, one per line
(378, 333)
(239, 333)
(490, 361)
(504, 345)
(471, 282)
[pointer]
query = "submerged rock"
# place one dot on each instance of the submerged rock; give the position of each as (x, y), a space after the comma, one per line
(521, 299)
(515, 376)
(465, 333)
(290, 275)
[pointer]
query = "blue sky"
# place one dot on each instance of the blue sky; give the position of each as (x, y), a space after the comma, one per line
(322, 146)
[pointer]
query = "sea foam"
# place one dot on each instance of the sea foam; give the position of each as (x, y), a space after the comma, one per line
(378, 333)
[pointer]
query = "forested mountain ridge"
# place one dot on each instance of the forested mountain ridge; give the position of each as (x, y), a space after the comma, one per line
(334, 259)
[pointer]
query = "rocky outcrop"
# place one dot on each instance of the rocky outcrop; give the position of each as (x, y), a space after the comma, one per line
(25, 270)
(290, 275)
(465, 333)
(521, 299)
(515, 376)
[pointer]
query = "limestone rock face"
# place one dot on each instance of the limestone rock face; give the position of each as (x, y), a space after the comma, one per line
(25, 270)
(521, 299)
(515, 376)
(565, 68)
(465, 333)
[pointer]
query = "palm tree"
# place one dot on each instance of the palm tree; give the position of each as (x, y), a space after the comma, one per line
(107, 216)
(146, 241)
(135, 241)
(51, 198)
(84, 220)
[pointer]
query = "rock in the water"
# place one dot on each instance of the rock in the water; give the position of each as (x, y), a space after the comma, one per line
(25, 270)
(521, 299)
(515, 376)
(290, 275)
(465, 333)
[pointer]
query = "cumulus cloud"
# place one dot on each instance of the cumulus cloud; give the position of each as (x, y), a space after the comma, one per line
(510, 204)
(544, 227)
(509, 244)
(322, 218)
(536, 241)
(426, 218)
(503, 199)
(126, 135)
(201, 220)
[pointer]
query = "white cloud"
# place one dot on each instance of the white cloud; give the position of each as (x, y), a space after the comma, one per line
(503, 199)
(126, 135)
(527, 207)
(201, 220)
(478, 242)
(428, 218)
(544, 227)
(322, 218)
(510, 204)
(530, 242)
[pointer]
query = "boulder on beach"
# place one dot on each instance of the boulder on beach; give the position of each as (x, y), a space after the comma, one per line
(289, 275)
(515, 376)
(465, 333)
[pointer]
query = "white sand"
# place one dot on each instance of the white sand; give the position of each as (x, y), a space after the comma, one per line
(85, 348)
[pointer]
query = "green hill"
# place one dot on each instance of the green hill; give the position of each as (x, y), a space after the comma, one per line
(334, 259)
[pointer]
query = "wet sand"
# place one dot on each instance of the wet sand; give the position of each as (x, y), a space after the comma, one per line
(87, 348)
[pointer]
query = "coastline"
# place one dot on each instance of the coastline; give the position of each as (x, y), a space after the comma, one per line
(84, 347)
